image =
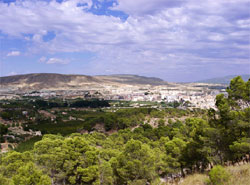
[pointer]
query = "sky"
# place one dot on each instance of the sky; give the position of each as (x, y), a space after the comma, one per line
(176, 40)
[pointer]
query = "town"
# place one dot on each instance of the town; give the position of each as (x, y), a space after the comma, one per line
(195, 95)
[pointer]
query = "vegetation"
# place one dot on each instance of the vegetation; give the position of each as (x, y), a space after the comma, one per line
(142, 155)
(237, 175)
(218, 175)
(3, 131)
(27, 145)
(39, 103)
(195, 179)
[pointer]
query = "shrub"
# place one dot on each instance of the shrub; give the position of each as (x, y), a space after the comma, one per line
(218, 176)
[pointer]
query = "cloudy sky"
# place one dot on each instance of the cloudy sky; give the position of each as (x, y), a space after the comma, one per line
(176, 40)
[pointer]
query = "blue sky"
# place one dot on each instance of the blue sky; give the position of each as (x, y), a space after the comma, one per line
(176, 40)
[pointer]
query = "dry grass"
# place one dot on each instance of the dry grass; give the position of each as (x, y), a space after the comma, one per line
(196, 179)
(240, 175)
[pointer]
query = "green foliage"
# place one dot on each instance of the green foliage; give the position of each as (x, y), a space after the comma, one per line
(240, 148)
(106, 173)
(6, 115)
(5, 181)
(79, 103)
(27, 145)
(135, 163)
(64, 128)
(30, 174)
(175, 150)
(18, 169)
(227, 137)
(174, 104)
(218, 176)
(3, 129)
(239, 90)
(90, 103)
(72, 156)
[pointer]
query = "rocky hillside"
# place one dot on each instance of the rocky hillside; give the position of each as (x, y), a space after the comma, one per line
(132, 79)
(58, 81)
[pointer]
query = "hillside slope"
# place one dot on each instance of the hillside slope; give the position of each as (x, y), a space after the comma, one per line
(59, 81)
(238, 175)
(132, 79)
(224, 80)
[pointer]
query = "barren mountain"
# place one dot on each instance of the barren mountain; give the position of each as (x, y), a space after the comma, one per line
(60, 81)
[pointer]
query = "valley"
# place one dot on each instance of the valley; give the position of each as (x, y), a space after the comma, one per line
(124, 133)
(117, 87)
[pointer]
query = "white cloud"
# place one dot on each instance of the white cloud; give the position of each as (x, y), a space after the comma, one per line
(155, 31)
(43, 59)
(12, 73)
(13, 53)
(216, 37)
(56, 61)
(53, 60)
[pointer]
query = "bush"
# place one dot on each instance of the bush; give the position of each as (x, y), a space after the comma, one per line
(11, 140)
(218, 176)
(3, 129)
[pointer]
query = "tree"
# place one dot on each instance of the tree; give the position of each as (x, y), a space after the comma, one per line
(135, 163)
(19, 169)
(29, 174)
(69, 159)
(239, 92)
(6, 115)
(3, 129)
(195, 152)
(106, 173)
(175, 150)
(230, 125)
(240, 148)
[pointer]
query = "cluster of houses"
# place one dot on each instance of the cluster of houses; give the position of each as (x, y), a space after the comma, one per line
(199, 96)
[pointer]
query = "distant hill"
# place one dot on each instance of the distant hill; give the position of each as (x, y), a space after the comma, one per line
(133, 79)
(62, 81)
(224, 80)
(44, 78)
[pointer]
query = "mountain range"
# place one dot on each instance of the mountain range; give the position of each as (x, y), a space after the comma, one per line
(224, 80)
(38, 81)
